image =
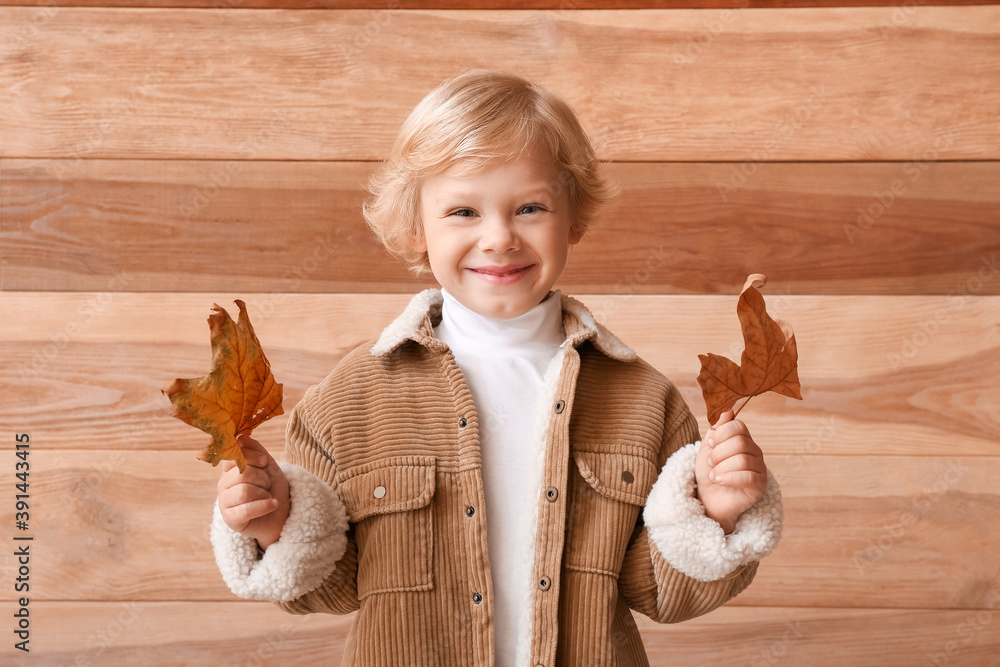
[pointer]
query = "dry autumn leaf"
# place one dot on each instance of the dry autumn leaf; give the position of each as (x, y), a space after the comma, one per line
(236, 396)
(769, 363)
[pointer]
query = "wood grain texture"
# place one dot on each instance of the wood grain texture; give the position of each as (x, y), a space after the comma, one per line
(699, 228)
(758, 637)
(907, 376)
(141, 633)
(859, 531)
(649, 85)
(396, 5)
(147, 634)
(156, 159)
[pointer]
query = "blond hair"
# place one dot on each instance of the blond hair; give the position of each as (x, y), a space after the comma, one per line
(460, 127)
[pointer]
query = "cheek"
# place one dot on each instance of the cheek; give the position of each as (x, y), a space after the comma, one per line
(445, 246)
(556, 249)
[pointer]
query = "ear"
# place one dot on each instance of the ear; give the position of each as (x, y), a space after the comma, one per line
(575, 234)
(418, 243)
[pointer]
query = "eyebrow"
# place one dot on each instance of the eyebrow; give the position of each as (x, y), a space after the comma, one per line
(463, 194)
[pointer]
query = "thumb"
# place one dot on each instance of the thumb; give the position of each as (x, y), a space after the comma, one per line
(248, 444)
(725, 417)
(254, 452)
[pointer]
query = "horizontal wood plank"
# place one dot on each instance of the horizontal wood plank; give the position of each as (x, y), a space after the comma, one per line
(880, 375)
(141, 634)
(862, 531)
(396, 5)
(649, 85)
(759, 637)
(826, 228)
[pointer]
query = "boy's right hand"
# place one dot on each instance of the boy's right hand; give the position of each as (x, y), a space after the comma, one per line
(254, 502)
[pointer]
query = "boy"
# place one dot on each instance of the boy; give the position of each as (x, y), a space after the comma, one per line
(497, 479)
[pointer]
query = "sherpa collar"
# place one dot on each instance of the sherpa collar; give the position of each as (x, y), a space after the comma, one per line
(416, 323)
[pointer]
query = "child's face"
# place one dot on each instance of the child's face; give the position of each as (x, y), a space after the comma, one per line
(515, 214)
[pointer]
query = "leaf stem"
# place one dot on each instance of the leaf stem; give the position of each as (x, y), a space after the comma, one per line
(737, 411)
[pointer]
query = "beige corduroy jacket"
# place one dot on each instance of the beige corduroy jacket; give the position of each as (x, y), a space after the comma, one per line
(388, 515)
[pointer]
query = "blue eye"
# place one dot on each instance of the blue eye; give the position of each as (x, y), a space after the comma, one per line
(532, 206)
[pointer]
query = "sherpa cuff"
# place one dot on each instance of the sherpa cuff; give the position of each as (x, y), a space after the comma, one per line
(697, 545)
(312, 540)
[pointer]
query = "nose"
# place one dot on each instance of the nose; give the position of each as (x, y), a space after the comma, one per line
(499, 234)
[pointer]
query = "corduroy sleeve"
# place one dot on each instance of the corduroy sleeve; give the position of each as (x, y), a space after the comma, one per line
(679, 563)
(313, 565)
(338, 593)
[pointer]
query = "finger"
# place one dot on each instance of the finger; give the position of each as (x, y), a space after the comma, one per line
(252, 458)
(244, 513)
(733, 452)
(752, 482)
(730, 429)
(230, 477)
(241, 494)
(712, 437)
(256, 477)
(724, 447)
(738, 463)
(725, 417)
(248, 443)
(254, 452)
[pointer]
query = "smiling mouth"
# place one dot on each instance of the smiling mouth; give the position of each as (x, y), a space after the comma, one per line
(502, 273)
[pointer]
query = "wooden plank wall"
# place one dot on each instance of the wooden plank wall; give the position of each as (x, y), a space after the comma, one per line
(157, 156)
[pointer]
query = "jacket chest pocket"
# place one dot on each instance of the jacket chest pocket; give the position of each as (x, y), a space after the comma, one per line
(608, 489)
(389, 502)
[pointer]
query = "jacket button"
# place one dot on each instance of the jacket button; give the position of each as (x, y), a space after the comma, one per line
(560, 404)
(462, 422)
(627, 477)
(544, 583)
(379, 491)
(470, 510)
(477, 598)
(551, 494)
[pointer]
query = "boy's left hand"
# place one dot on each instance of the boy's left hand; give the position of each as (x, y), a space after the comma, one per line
(730, 471)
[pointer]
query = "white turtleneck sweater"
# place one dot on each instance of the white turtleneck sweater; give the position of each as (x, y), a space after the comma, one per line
(504, 362)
